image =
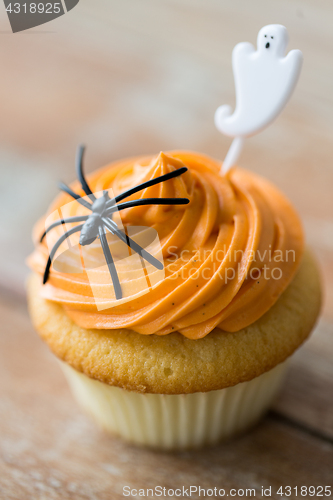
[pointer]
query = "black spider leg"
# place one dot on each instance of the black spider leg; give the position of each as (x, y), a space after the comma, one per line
(67, 220)
(110, 263)
(79, 173)
(74, 195)
(144, 185)
(113, 228)
(148, 201)
(55, 248)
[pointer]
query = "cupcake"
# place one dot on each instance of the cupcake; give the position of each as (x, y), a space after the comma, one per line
(193, 351)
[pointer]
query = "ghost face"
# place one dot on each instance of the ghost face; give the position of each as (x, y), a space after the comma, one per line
(273, 39)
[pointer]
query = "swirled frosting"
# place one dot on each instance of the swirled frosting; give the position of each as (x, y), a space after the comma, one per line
(228, 255)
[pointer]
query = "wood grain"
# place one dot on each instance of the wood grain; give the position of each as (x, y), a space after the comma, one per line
(307, 397)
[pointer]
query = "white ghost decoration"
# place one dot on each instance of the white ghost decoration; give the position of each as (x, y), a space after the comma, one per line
(264, 81)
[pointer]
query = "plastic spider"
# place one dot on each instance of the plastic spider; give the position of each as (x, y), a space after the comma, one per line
(102, 209)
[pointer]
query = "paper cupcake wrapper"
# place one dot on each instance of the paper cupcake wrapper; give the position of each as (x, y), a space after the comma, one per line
(176, 422)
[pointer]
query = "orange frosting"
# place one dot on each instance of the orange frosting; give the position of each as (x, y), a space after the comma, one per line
(228, 255)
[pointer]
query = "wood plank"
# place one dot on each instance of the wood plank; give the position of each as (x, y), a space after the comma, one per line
(129, 78)
(50, 450)
(307, 395)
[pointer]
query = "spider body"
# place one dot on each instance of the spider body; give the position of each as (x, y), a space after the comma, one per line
(100, 220)
(90, 229)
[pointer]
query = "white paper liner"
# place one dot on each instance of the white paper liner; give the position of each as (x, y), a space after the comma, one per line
(176, 422)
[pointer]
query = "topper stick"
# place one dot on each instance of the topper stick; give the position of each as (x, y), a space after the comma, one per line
(264, 81)
(233, 154)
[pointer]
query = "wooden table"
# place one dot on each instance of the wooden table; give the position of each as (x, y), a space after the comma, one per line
(129, 78)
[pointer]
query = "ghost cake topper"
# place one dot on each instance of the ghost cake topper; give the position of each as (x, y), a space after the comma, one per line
(264, 81)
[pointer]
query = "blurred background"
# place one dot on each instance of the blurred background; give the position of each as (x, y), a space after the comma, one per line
(134, 77)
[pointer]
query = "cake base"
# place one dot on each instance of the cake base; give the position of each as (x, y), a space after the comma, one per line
(176, 422)
(172, 364)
